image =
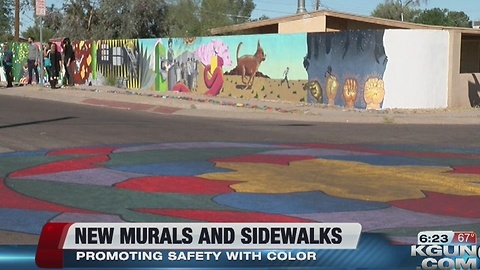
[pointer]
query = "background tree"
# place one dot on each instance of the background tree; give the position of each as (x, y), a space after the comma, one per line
(79, 19)
(195, 17)
(398, 9)
(6, 20)
(51, 24)
(458, 19)
(263, 17)
(121, 19)
(393, 10)
(183, 19)
(149, 17)
(34, 31)
(218, 13)
(408, 3)
(53, 19)
(444, 17)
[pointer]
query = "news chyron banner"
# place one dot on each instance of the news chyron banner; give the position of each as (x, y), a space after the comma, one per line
(248, 246)
(191, 245)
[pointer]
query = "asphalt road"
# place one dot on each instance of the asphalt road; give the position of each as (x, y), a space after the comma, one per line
(32, 124)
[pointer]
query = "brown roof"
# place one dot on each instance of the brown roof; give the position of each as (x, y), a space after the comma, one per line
(329, 13)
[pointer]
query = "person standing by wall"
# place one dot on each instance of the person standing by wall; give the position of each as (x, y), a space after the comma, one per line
(7, 62)
(68, 61)
(33, 59)
(46, 59)
(56, 64)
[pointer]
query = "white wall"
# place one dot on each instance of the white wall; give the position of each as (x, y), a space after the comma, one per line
(417, 71)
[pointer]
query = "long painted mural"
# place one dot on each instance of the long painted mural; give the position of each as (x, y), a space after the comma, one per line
(352, 69)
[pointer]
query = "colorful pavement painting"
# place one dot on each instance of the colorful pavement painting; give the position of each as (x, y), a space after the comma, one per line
(393, 189)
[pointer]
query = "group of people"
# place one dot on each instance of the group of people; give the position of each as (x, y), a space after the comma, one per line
(54, 62)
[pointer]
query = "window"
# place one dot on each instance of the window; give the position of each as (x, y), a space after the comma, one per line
(470, 55)
(117, 56)
(104, 53)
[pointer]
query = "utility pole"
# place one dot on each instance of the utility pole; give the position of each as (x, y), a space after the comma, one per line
(16, 36)
(317, 5)
(40, 12)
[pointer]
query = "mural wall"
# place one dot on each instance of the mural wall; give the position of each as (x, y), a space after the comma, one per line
(83, 61)
(264, 66)
(366, 69)
(20, 51)
(346, 68)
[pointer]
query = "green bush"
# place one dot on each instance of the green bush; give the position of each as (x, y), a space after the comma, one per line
(111, 80)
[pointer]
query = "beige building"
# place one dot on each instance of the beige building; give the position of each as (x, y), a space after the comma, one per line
(464, 44)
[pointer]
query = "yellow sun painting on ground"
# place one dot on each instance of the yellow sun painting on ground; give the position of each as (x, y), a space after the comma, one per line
(347, 179)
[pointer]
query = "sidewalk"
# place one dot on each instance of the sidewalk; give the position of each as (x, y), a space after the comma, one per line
(193, 104)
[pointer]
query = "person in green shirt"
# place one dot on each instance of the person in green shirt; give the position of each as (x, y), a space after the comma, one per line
(7, 62)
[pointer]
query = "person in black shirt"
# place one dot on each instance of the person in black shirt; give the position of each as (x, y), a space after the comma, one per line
(68, 61)
(7, 62)
(56, 64)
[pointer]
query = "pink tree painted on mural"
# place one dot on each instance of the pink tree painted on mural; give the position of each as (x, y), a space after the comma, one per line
(213, 56)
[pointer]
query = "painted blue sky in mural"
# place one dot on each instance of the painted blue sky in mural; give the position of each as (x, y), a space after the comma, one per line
(287, 51)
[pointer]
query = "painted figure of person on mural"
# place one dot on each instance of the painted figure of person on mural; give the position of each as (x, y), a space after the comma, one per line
(68, 61)
(56, 65)
(190, 73)
(285, 77)
(170, 54)
(33, 59)
(7, 62)
(195, 74)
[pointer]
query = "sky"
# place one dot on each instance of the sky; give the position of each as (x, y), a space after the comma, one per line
(280, 8)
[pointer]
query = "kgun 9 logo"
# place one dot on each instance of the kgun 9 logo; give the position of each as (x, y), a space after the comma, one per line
(446, 257)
